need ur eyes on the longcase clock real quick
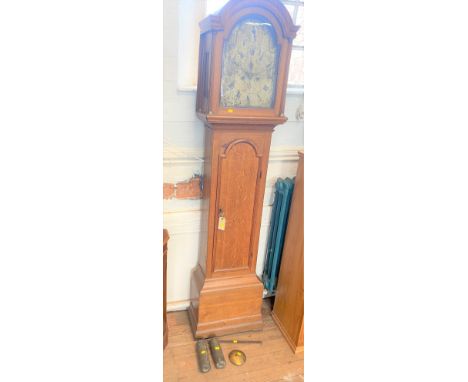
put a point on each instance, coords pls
(244, 57)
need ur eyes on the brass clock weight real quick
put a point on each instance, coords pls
(236, 357)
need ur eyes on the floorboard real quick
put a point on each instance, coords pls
(271, 361)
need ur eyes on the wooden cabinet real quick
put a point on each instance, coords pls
(165, 240)
(244, 57)
(288, 310)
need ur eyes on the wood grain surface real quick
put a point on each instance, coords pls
(288, 311)
(238, 181)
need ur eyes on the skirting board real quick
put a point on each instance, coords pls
(176, 306)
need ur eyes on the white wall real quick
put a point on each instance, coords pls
(183, 152)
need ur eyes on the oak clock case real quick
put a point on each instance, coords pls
(244, 57)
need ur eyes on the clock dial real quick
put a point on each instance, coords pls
(250, 65)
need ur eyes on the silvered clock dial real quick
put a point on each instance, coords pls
(250, 65)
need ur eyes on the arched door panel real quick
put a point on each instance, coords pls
(239, 166)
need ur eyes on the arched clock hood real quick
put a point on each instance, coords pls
(215, 36)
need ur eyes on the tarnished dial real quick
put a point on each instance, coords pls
(250, 65)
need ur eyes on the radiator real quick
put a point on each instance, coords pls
(278, 222)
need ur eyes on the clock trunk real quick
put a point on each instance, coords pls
(226, 293)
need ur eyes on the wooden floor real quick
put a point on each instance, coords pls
(272, 361)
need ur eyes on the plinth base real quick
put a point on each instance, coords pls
(225, 305)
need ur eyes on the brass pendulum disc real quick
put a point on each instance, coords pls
(237, 357)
